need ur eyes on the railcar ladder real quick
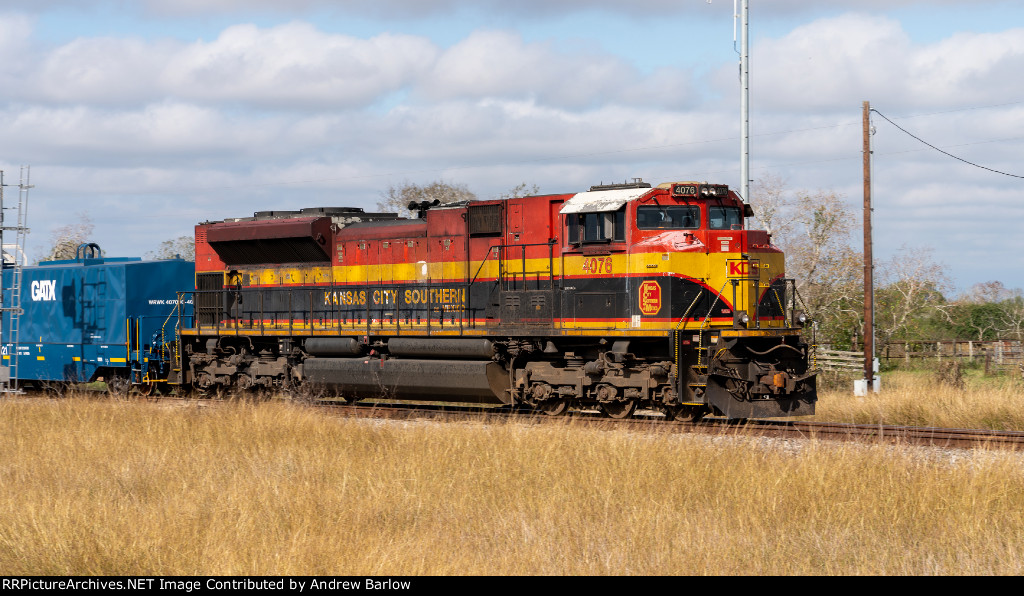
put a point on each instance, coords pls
(14, 260)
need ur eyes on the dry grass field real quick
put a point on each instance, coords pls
(94, 486)
(921, 398)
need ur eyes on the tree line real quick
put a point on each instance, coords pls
(914, 298)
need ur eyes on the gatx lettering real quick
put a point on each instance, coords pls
(44, 290)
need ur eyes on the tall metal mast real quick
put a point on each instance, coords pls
(12, 282)
(745, 102)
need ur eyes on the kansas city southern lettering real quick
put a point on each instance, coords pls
(448, 297)
(347, 298)
(439, 296)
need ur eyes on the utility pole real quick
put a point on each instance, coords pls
(869, 288)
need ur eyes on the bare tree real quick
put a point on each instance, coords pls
(183, 247)
(911, 286)
(989, 291)
(66, 239)
(814, 230)
(396, 199)
(521, 190)
(772, 205)
(1012, 312)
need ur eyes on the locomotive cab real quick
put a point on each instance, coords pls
(691, 269)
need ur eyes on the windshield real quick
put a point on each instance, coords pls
(725, 218)
(672, 217)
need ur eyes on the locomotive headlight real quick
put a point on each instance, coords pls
(800, 318)
(740, 318)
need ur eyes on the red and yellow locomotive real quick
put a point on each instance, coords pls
(618, 297)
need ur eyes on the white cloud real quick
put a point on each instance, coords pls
(968, 68)
(418, 8)
(296, 65)
(103, 71)
(500, 64)
(842, 60)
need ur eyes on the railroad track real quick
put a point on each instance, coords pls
(649, 421)
(653, 421)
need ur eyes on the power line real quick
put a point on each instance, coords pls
(908, 133)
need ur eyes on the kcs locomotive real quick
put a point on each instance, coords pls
(620, 297)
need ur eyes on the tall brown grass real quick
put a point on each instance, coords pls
(100, 487)
(921, 398)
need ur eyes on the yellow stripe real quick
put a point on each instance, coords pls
(40, 358)
(119, 360)
(698, 265)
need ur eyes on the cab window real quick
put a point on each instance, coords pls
(725, 218)
(597, 227)
(671, 217)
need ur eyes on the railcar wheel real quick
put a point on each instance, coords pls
(555, 406)
(118, 386)
(147, 390)
(619, 409)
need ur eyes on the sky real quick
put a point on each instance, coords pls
(149, 116)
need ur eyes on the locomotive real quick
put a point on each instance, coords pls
(619, 297)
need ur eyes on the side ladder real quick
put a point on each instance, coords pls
(13, 261)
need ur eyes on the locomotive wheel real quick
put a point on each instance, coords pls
(554, 407)
(619, 409)
(684, 413)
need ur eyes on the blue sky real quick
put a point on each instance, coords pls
(149, 116)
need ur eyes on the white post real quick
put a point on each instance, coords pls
(745, 103)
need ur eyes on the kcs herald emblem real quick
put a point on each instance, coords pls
(650, 297)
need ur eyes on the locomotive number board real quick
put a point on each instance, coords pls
(700, 190)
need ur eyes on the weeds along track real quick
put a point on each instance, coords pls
(655, 422)
(642, 421)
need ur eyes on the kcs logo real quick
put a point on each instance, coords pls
(44, 290)
(742, 268)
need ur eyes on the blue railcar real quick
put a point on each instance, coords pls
(93, 318)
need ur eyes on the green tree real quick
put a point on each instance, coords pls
(986, 311)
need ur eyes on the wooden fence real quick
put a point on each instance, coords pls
(826, 359)
(1005, 355)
